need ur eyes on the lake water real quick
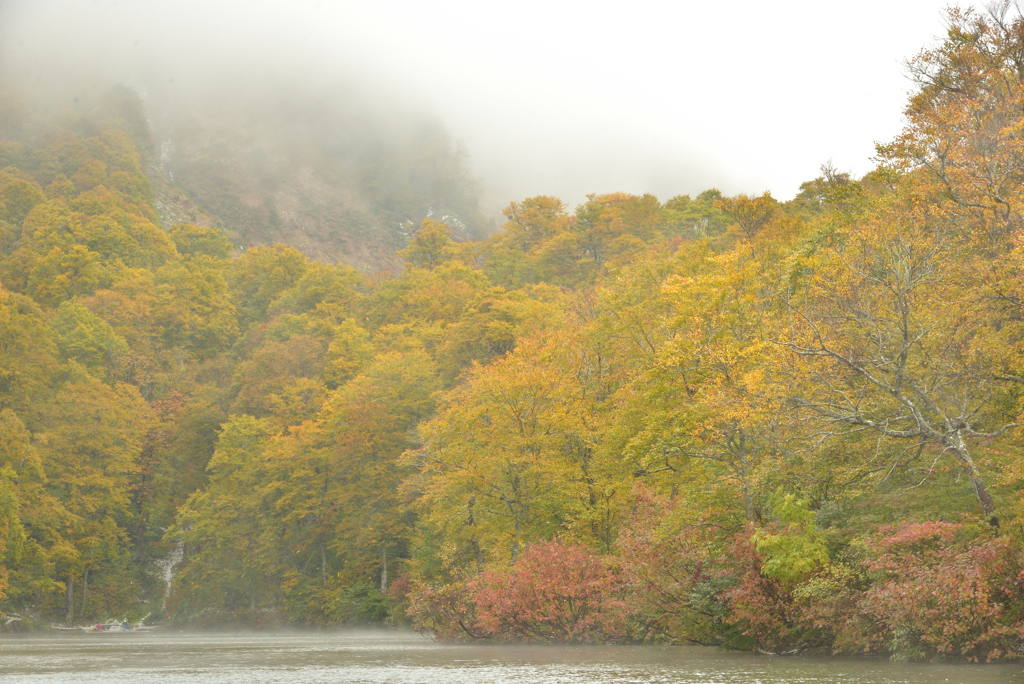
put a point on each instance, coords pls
(405, 658)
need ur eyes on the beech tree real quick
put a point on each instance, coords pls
(891, 324)
(496, 470)
(222, 529)
(750, 213)
(721, 368)
(431, 245)
(964, 128)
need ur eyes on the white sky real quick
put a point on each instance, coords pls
(553, 97)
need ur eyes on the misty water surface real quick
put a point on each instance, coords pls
(407, 658)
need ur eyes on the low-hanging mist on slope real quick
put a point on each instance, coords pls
(322, 158)
(341, 179)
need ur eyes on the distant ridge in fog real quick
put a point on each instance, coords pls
(323, 171)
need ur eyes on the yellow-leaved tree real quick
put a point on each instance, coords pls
(509, 458)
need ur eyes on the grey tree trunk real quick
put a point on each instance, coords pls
(515, 540)
(478, 554)
(474, 542)
(85, 590)
(963, 456)
(748, 500)
(323, 564)
(988, 507)
(71, 600)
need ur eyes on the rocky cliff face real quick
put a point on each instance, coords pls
(336, 179)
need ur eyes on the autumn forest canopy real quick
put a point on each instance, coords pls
(777, 425)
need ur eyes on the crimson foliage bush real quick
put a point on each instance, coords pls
(913, 591)
(557, 592)
(936, 589)
(675, 576)
(446, 612)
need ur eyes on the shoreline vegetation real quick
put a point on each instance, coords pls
(784, 427)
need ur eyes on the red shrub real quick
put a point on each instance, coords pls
(557, 592)
(675, 578)
(447, 612)
(934, 594)
(399, 596)
(920, 590)
(762, 607)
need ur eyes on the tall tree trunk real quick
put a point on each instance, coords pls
(988, 507)
(478, 554)
(748, 500)
(383, 569)
(515, 540)
(85, 581)
(474, 542)
(963, 456)
(71, 600)
(323, 565)
(85, 590)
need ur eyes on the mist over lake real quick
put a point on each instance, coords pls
(284, 658)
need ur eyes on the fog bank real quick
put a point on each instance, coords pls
(556, 98)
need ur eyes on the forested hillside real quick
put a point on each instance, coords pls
(783, 426)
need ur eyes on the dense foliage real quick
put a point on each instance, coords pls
(719, 420)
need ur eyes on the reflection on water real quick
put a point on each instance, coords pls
(407, 659)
